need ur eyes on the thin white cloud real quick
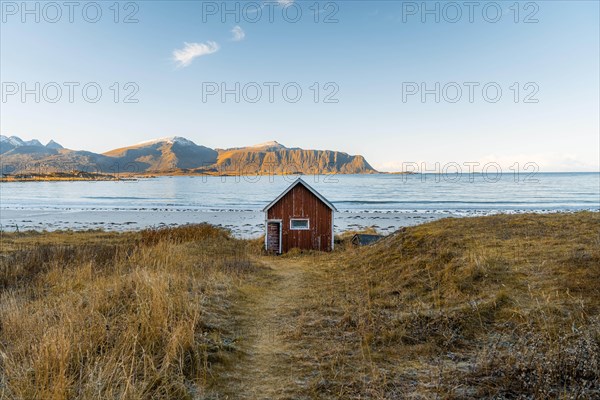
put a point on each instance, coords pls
(254, 10)
(285, 3)
(184, 57)
(238, 33)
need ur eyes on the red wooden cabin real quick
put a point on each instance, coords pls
(299, 218)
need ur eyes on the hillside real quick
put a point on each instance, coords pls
(176, 156)
(96, 315)
(275, 158)
(19, 156)
(489, 307)
(164, 155)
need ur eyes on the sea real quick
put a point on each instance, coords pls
(385, 202)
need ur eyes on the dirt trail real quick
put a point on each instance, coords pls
(266, 369)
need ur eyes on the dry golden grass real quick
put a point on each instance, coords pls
(104, 316)
(493, 307)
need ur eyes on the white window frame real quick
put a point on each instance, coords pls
(300, 229)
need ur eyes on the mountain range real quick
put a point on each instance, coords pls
(176, 156)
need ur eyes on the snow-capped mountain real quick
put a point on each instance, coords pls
(165, 154)
(177, 155)
(168, 139)
(271, 144)
(53, 145)
(8, 143)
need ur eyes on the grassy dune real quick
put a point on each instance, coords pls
(501, 306)
(97, 315)
(493, 307)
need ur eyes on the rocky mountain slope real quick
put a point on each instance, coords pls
(176, 156)
(275, 158)
(163, 155)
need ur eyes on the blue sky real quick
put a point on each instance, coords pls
(369, 57)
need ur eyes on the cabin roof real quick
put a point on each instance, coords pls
(300, 181)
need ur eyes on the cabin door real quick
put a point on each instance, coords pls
(274, 237)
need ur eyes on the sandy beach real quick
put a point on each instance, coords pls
(243, 224)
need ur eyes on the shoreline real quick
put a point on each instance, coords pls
(243, 224)
(63, 177)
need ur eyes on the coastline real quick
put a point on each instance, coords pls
(63, 177)
(243, 224)
(384, 202)
(83, 177)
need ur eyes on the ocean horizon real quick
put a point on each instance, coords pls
(385, 202)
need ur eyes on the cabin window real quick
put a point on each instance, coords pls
(299, 224)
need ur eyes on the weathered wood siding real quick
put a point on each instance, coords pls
(301, 203)
(273, 237)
